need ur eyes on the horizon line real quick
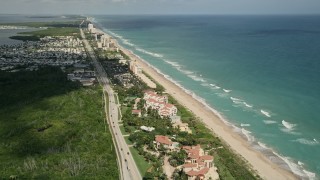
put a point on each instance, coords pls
(169, 14)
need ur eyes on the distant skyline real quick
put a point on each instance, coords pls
(160, 7)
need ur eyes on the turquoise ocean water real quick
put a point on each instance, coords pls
(261, 73)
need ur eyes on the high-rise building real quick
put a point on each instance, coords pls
(90, 27)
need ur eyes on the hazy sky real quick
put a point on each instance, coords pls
(160, 6)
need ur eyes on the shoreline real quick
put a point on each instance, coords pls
(256, 160)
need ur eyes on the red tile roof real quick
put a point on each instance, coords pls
(136, 111)
(206, 157)
(193, 153)
(198, 173)
(163, 140)
(189, 165)
(191, 147)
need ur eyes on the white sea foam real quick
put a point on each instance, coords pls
(241, 102)
(222, 95)
(244, 125)
(288, 125)
(181, 69)
(248, 135)
(149, 53)
(309, 174)
(172, 63)
(213, 86)
(288, 128)
(287, 163)
(263, 145)
(185, 71)
(247, 105)
(205, 84)
(266, 113)
(127, 42)
(297, 169)
(269, 121)
(289, 131)
(235, 99)
(115, 35)
(196, 78)
(226, 90)
(312, 142)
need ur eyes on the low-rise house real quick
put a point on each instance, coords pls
(175, 119)
(183, 127)
(166, 143)
(177, 123)
(136, 112)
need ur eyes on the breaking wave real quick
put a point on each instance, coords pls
(149, 53)
(226, 90)
(196, 78)
(214, 86)
(288, 125)
(266, 113)
(312, 142)
(269, 121)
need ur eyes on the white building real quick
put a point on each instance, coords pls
(145, 128)
(99, 44)
(159, 103)
(90, 27)
(135, 68)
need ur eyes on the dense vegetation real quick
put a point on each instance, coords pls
(51, 128)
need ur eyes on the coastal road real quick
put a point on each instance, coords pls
(127, 165)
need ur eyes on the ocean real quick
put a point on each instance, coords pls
(261, 73)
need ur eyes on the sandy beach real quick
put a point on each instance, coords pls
(265, 168)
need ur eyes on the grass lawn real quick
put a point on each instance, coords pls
(143, 165)
(123, 131)
(126, 138)
(116, 99)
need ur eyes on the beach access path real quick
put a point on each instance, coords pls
(127, 165)
(265, 168)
